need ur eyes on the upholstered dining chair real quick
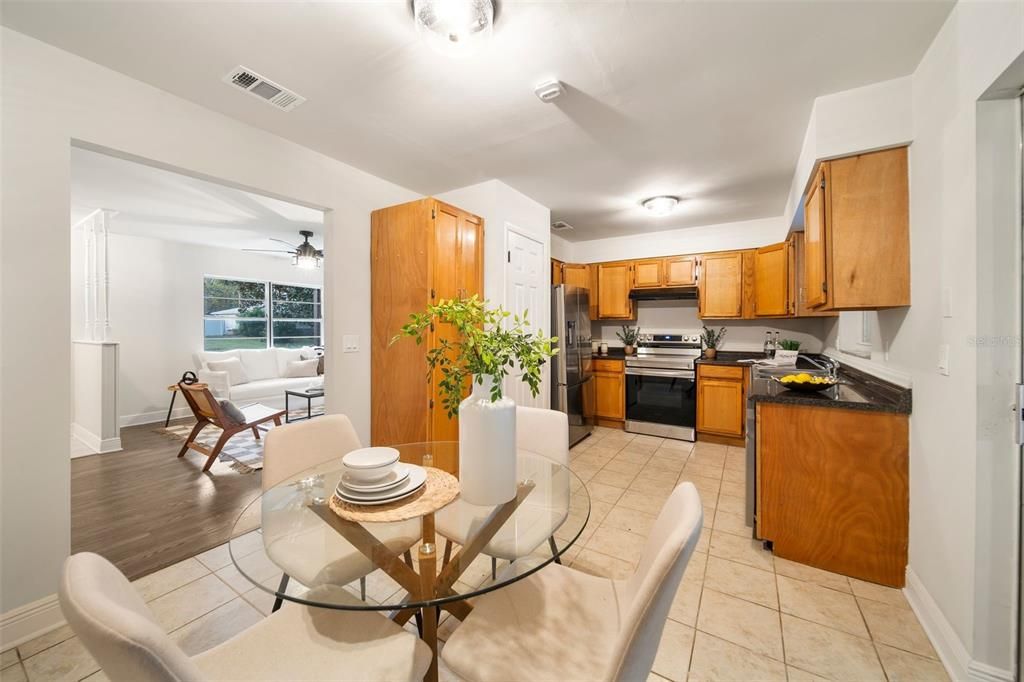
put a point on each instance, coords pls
(291, 449)
(559, 623)
(295, 643)
(543, 432)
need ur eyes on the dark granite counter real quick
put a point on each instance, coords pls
(731, 357)
(856, 391)
(613, 354)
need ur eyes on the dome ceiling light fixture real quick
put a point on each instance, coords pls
(454, 27)
(661, 205)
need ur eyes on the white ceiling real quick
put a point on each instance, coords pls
(706, 99)
(152, 202)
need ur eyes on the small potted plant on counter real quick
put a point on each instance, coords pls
(785, 354)
(629, 336)
(712, 340)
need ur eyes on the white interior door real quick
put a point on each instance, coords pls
(525, 291)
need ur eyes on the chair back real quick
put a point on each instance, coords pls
(652, 587)
(292, 448)
(545, 432)
(115, 625)
(203, 404)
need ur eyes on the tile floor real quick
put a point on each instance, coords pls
(740, 613)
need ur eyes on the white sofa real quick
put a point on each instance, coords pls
(265, 368)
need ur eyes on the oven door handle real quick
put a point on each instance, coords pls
(668, 373)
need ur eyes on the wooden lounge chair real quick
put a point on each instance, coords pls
(207, 410)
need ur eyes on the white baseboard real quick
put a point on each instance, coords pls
(27, 622)
(154, 417)
(99, 446)
(952, 652)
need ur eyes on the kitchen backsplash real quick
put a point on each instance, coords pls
(740, 335)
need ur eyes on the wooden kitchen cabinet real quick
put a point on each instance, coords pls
(857, 233)
(594, 292)
(832, 489)
(680, 271)
(614, 281)
(649, 273)
(722, 401)
(576, 275)
(420, 252)
(721, 285)
(797, 280)
(772, 292)
(557, 272)
(610, 392)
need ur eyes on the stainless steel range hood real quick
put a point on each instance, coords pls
(666, 294)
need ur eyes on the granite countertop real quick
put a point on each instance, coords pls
(856, 391)
(731, 357)
(613, 354)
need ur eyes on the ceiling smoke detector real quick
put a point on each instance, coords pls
(561, 226)
(267, 90)
(549, 91)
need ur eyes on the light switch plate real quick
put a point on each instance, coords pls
(944, 359)
(947, 301)
(350, 343)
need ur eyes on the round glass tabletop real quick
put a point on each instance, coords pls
(465, 549)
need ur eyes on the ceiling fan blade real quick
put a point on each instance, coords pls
(281, 241)
(268, 251)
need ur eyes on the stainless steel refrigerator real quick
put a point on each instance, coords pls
(572, 379)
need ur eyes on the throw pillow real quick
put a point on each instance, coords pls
(233, 366)
(260, 364)
(301, 368)
(232, 412)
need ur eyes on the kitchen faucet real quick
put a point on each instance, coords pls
(826, 363)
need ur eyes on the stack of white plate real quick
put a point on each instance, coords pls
(375, 476)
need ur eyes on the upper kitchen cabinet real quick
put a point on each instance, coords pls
(721, 285)
(557, 272)
(773, 267)
(681, 271)
(576, 275)
(614, 280)
(649, 273)
(857, 233)
(797, 277)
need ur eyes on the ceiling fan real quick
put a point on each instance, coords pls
(305, 255)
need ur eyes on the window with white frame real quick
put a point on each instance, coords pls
(251, 314)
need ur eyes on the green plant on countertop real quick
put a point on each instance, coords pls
(789, 344)
(486, 342)
(629, 335)
(712, 338)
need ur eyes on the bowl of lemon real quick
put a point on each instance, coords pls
(805, 382)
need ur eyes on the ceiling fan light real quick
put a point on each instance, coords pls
(454, 27)
(306, 262)
(661, 205)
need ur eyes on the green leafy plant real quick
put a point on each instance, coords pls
(628, 335)
(712, 338)
(789, 344)
(486, 342)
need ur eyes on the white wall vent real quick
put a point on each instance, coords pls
(561, 226)
(266, 90)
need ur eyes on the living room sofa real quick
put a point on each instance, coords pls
(265, 369)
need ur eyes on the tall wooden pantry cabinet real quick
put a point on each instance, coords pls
(420, 252)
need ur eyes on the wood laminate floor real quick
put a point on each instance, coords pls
(144, 509)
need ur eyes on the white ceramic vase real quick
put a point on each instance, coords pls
(487, 446)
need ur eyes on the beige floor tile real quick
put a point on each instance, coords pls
(694, 468)
(8, 658)
(896, 627)
(615, 479)
(735, 524)
(620, 544)
(640, 448)
(902, 666)
(246, 544)
(66, 661)
(717, 659)
(741, 622)
(657, 486)
(704, 446)
(585, 472)
(744, 550)
(622, 467)
(598, 511)
(670, 462)
(263, 601)
(709, 519)
(216, 558)
(673, 658)
(879, 593)
(830, 653)
(256, 567)
(644, 502)
(735, 476)
(731, 504)
(810, 574)
(603, 565)
(655, 677)
(634, 521)
(674, 445)
(187, 603)
(821, 605)
(740, 580)
(706, 458)
(447, 626)
(734, 489)
(704, 541)
(216, 627)
(798, 675)
(686, 602)
(630, 457)
(604, 493)
(168, 579)
(591, 459)
(13, 673)
(42, 642)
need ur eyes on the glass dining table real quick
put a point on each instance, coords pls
(389, 561)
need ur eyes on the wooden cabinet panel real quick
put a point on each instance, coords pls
(799, 290)
(648, 273)
(576, 275)
(734, 372)
(614, 282)
(720, 406)
(556, 272)
(721, 285)
(681, 271)
(833, 490)
(815, 287)
(610, 399)
(608, 365)
(595, 312)
(771, 280)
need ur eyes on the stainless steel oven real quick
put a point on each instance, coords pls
(661, 386)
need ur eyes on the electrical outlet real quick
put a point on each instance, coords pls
(350, 343)
(944, 359)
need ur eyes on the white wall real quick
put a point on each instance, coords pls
(156, 309)
(562, 249)
(49, 98)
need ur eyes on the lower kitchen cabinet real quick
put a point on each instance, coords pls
(721, 402)
(610, 392)
(832, 489)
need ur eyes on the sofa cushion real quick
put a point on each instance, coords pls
(301, 368)
(203, 357)
(284, 356)
(233, 366)
(268, 388)
(260, 364)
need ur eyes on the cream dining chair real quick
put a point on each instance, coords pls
(559, 623)
(539, 431)
(318, 555)
(295, 643)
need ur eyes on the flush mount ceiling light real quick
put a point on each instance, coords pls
(454, 27)
(662, 205)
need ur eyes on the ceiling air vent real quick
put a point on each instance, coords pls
(268, 91)
(561, 226)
